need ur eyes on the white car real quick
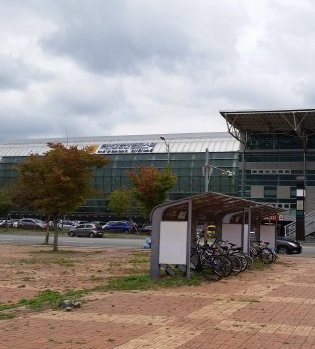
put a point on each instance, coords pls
(66, 225)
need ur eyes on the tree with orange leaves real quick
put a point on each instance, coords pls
(57, 182)
(151, 186)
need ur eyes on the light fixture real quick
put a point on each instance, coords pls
(168, 149)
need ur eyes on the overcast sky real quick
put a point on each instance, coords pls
(118, 67)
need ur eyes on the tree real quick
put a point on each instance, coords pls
(121, 201)
(57, 182)
(151, 185)
(5, 202)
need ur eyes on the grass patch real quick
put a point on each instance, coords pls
(140, 258)
(65, 252)
(45, 299)
(144, 282)
(7, 316)
(60, 261)
(259, 265)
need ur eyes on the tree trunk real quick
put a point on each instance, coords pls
(55, 240)
(47, 232)
(55, 234)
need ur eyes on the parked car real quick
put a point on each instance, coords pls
(11, 222)
(108, 224)
(122, 226)
(80, 222)
(146, 228)
(288, 246)
(88, 230)
(99, 224)
(30, 223)
(66, 225)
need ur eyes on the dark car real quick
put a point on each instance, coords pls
(288, 246)
(122, 226)
(88, 230)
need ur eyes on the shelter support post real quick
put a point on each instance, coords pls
(189, 218)
(155, 243)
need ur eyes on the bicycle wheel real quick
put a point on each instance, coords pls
(236, 264)
(250, 261)
(242, 259)
(274, 255)
(222, 265)
(195, 264)
(253, 252)
(208, 270)
(266, 256)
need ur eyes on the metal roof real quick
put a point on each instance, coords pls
(178, 143)
(211, 206)
(271, 121)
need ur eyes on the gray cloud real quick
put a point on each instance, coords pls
(15, 74)
(125, 37)
(93, 67)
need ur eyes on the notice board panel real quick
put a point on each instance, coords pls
(173, 242)
(232, 233)
(268, 234)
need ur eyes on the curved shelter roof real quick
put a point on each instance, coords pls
(211, 206)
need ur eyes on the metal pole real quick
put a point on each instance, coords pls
(168, 150)
(207, 171)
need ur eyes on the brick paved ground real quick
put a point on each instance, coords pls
(273, 308)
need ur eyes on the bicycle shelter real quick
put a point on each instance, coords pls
(174, 226)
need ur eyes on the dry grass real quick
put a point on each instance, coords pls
(38, 268)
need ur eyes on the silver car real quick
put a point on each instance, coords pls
(31, 223)
(87, 229)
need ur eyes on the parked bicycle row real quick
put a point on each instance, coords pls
(223, 258)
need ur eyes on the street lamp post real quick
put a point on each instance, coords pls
(168, 149)
(207, 171)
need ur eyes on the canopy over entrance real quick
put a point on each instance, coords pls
(298, 121)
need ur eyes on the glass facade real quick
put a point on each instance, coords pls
(271, 164)
(187, 166)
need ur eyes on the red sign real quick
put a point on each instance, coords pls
(277, 217)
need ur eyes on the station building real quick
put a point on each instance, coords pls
(258, 158)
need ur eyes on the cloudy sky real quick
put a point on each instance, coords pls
(117, 67)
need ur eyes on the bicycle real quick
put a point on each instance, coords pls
(262, 252)
(202, 262)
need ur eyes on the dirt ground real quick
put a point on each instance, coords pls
(269, 308)
(26, 270)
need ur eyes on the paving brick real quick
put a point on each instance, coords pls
(273, 308)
